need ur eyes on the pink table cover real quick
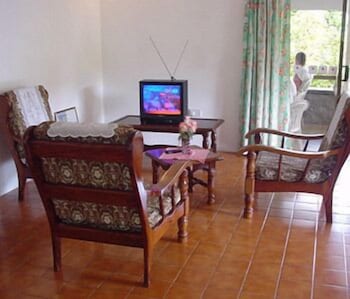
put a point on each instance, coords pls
(197, 154)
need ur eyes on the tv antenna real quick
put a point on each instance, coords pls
(172, 75)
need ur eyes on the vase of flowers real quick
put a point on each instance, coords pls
(186, 130)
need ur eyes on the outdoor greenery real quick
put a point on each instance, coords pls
(317, 34)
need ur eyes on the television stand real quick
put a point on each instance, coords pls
(205, 127)
(165, 121)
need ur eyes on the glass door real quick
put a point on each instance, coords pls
(318, 31)
(344, 57)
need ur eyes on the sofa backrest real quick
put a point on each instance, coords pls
(337, 136)
(88, 174)
(338, 128)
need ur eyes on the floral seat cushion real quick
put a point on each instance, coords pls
(111, 217)
(292, 169)
(267, 167)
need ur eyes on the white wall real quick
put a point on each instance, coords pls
(211, 63)
(56, 43)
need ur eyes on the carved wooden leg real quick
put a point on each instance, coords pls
(190, 179)
(213, 141)
(147, 257)
(183, 221)
(205, 143)
(211, 177)
(56, 248)
(21, 184)
(328, 204)
(250, 185)
(155, 172)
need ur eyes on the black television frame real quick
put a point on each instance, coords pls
(148, 118)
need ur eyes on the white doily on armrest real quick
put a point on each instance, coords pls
(69, 129)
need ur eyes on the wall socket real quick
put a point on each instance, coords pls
(194, 112)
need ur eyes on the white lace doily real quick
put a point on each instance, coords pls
(69, 129)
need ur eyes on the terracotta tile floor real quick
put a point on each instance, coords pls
(286, 251)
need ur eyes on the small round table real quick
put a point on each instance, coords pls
(208, 166)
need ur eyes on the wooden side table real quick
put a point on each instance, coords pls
(205, 127)
(208, 166)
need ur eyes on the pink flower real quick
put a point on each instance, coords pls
(187, 128)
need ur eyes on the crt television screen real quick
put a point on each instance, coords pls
(162, 99)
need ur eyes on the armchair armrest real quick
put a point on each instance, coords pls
(287, 152)
(169, 177)
(17, 139)
(283, 134)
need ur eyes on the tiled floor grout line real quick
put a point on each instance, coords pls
(186, 261)
(179, 273)
(224, 249)
(216, 213)
(189, 256)
(220, 258)
(346, 266)
(222, 254)
(315, 253)
(99, 286)
(218, 229)
(285, 248)
(129, 293)
(255, 247)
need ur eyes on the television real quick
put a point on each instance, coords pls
(163, 101)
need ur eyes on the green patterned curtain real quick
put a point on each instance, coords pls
(266, 52)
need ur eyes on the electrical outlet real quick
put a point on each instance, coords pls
(194, 112)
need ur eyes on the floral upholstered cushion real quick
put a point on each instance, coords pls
(89, 214)
(292, 168)
(153, 207)
(108, 175)
(111, 217)
(28, 106)
(267, 167)
(116, 176)
(320, 170)
(76, 172)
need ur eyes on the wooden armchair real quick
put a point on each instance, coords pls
(275, 169)
(19, 109)
(90, 181)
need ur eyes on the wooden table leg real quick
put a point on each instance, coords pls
(205, 142)
(190, 179)
(211, 183)
(155, 172)
(213, 141)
